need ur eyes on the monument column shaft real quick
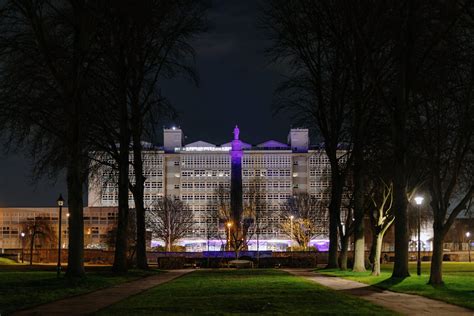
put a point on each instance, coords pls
(236, 202)
(236, 189)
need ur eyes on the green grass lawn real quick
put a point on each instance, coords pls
(458, 278)
(221, 292)
(6, 261)
(25, 287)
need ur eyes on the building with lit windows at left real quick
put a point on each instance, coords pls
(16, 224)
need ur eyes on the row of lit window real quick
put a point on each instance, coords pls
(265, 173)
(267, 184)
(205, 173)
(268, 196)
(266, 160)
(200, 160)
(316, 184)
(204, 185)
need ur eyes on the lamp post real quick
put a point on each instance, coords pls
(419, 201)
(229, 225)
(291, 232)
(60, 202)
(468, 234)
(22, 246)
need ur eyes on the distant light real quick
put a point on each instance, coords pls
(177, 149)
(22, 234)
(60, 200)
(291, 217)
(173, 128)
(419, 200)
(229, 224)
(468, 234)
(68, 214)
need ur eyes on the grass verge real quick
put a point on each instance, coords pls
(458, 278)
(6, 261)
(21, 289)
(243, 292)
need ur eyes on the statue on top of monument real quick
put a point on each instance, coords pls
(236, 132)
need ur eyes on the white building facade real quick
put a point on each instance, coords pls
(193, 173)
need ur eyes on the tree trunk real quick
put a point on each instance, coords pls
(121, 240)
(436, 272)
(334, 218)
(378, 251)
(31, 248)
(75, 170)
(138, 191)
(359, 229)
(400, 267)
(343, 253)
(373, 247)
(399, 130)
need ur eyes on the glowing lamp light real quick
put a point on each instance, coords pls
(173, 128)
(468, 234)
(229, 224)
(60, 200)
(419, 200)
(291, 217)
(22, 234)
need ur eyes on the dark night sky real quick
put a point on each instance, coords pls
(236, 87)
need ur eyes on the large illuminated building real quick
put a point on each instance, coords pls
(193, 173)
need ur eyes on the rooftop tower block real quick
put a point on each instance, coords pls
(298, 139)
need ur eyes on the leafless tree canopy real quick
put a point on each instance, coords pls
(169, 219)
(302, 216)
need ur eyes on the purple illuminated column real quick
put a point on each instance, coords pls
(236, 181)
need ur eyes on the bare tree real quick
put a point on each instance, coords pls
(111, 238)
(381, 218)
(142, 45)
(317, 91)
(256, 207)
(346, 225)
(444, 126)
(40, 231)
(302, 216)
(47, 57)
(170, 219)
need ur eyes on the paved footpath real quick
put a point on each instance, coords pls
(406, 304)
(89, 303)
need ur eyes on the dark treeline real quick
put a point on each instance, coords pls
(392, 82)
(79, 77)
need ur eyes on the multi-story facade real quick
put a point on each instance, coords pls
(14, 221)
(193, 172)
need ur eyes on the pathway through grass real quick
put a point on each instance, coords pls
(242, 292)
(21, 289)
(458, 278)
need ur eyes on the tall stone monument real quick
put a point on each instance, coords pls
(236, 207)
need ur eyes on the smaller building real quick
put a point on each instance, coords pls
(98, 221)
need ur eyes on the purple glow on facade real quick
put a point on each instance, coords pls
(320, 245)
(273, 144)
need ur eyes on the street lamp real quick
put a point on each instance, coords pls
(291, 232)
(60, 203)
(419, 201)
(22, 246)
(229, 225)
(468, 234)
